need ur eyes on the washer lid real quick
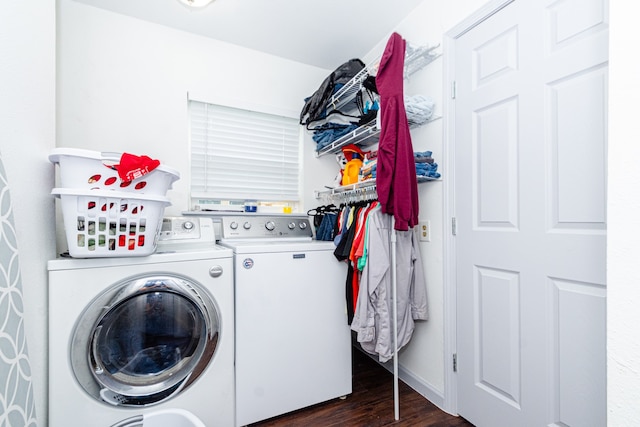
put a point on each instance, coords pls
(273, 246)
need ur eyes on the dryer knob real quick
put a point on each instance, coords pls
(215, 271)
(303, 225)
(188, 225)
(270, 225)
(292, 225)
(247, 225)
(233, 225)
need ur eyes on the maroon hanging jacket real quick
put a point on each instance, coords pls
(396, 171)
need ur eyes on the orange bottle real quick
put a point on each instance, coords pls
(352, 170)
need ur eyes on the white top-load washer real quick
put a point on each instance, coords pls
(133, 337)
(293, 342)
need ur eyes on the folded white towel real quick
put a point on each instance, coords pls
(419, 108)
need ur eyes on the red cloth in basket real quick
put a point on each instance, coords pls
(132, 166)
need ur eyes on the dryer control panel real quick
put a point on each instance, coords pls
(266, 227)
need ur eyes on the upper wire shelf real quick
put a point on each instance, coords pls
(350, 89)
(415, 59)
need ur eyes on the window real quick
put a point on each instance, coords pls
(239, 155)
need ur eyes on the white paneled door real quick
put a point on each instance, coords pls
(530, 206)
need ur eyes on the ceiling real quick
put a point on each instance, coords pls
(320, 33)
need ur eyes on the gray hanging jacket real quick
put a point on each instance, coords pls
(373, 315)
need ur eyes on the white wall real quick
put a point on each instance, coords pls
(123, 84)
(27, 131)
(623, 243)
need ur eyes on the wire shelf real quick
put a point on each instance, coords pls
(416, 58)
(360, 191)
(366, 135)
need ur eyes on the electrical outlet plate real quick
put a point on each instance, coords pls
(424, 231)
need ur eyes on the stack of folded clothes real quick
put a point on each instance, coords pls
(425, 166)
(327, 133)
(369, 164)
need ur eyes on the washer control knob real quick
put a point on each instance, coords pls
(233, 225)
(270, 225)
(188, 225)
(247, 225)
(303, 225)
(292, 225)
(215, 271)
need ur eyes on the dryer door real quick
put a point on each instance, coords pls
(145, 340)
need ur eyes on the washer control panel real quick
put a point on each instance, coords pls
(258, 227)
(186, 229)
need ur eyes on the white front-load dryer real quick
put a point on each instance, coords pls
(131, 336)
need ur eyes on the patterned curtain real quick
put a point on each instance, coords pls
(17, 407)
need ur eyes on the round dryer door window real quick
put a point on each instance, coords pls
(144, 340)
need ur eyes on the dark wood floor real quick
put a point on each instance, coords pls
(370, 404)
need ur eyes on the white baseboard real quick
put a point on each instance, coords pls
(424, 389)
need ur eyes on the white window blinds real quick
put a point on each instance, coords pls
(243, 155)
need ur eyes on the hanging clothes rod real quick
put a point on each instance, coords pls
(360, 192)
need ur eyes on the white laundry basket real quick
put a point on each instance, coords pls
(95, 170)
(106, 223)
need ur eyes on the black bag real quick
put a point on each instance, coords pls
(315, 106)
(366, 114)
(370, 83)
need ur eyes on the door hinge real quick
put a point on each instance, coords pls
(454, 228)
(453, 89)
(455, 362)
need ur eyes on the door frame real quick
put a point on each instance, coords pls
(449, 209)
